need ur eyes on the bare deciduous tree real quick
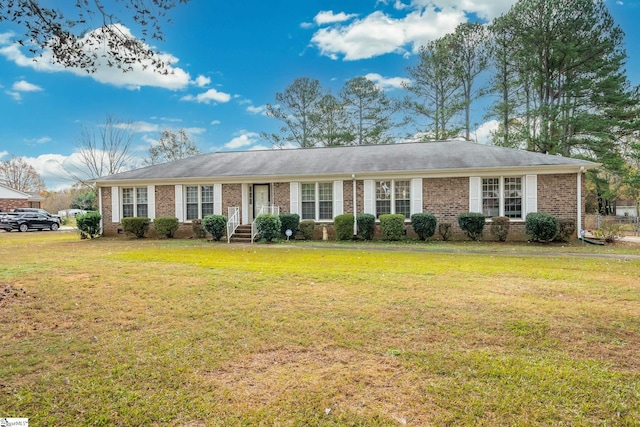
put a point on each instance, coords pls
(16, 173)
(171, 146)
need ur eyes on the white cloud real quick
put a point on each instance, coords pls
(244, 140)
(3, 154)
(215, 122)
(207, 97)
(25, 86)
(387, 82)
(379, 33)
(142, 74)
(483, 132)
(328, 17)
(260, 109)
(42, 140)
(202, 81)
(17, 96)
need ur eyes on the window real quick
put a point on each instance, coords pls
(393, 197)
(317, 201)
(502, 196)
(199, 201)
(134, 202)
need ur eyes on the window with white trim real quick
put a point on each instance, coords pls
(393, 197)
(316, 201)
(502, 196)
(135, 202)
(199, 201)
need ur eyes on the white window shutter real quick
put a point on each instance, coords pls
(217, 199)
(475, 194)
(115, 204)
(369, 196)
(151, 202)
(178, 200)
(294, 196)
(338, 198)
(531, 191)
(416, 195)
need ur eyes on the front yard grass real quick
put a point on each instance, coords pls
(194, 333)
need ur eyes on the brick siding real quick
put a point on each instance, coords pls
(7, 204)
(282, 196)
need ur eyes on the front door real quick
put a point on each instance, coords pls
(260, 198)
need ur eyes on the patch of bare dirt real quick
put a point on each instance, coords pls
(10, 293)
(343, 379)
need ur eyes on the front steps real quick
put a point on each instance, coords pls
(242, 234)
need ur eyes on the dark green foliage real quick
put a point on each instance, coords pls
(541, 227)
(500, 227)
(306, 228)
(566, 229)
(392, 226)
(472, 223)
(85, 201)
(136, 226)
(366, 225)
(289, 221)
(344, 226)
(216, 225)
(424, 224)
(166, 225)
(268, 226)
(445, 231)
(198, 231)
(89, 224)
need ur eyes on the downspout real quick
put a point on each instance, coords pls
(579, 219)
(100, 210)
(355, 206)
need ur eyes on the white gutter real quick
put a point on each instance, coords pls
(579, 219)
(355, 206)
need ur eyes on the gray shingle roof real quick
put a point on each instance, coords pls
(409, 157)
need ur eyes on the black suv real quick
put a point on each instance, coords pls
(24, 221)
(39, 211)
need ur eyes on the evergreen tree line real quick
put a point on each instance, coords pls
(551, 71)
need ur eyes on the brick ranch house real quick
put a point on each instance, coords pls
(443, 178)
(12, 199)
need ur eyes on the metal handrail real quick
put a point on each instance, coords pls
(233, 222)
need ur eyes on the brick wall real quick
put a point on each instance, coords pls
(347, 195)
(7, 204)
(281, 196)
(231, 197)
(165, 200)
(557, 195)
(446, 198)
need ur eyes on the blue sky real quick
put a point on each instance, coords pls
(229, 59)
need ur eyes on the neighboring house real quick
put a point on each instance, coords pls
(443, 178)
(12, 199)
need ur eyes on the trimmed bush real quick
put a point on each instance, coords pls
(445, 231)
(216, 225)
(472, 223)
(136, 226)
(541, 227)
(566, 229)
(366, 225)
(344, 226)
(500, 227)
(166, 225)
(392, 226)
(289, 221)
(198, 231)
(268, 226)
(306, 228)
(424, 224)
(88, 224)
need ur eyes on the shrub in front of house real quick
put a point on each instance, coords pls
(289, 221)
(472, 223)
(268, 226)
(306, 228)
(136, 226)
(88, 224)
(198, 231)
(445, 231)
(344, 226)
(500, 227)
(366, 225)
(541, 227)
(216, 225)
(424, 224)
(566, 229)
(166, 225)
(392, 226)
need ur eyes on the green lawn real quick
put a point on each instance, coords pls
(194, 333)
